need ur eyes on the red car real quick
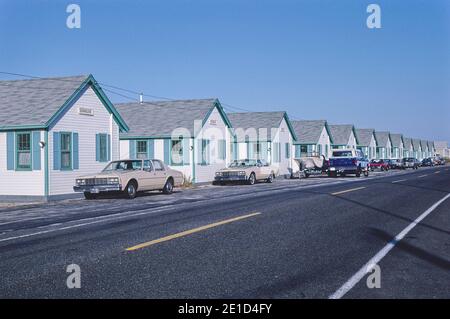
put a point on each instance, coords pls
(378, 164)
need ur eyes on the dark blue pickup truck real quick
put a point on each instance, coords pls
(348, 161)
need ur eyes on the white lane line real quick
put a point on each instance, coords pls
(399, 181)
(437, 172)
(423, 176)
(382, 253)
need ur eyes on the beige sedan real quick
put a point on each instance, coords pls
(248, 171)
(130, 177)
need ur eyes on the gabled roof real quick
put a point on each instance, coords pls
(260, 120)
(382, 138)
(396, 140)
(308, 132)
(407, 142)
(365, 136)
(416, 144)
(40, 103)
(341, 133)
(161, 118)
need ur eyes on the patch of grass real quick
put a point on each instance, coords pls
(187, 182)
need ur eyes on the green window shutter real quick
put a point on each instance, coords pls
(10, 151)
(36, 138)
(167, 151)
(75, 153)
(235, 151)
(108, 148)
(150, 149)
(287, 150)
(263, 152)
(186, 151)
(250, 153)
(132, 146)
(56, 151)
(222, 149)
(97, 147)
(297, 151)
(206, 152)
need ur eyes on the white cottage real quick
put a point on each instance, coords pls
(384, 147)
(424, 146)
(267, 136)
(313, 137)
(408, 149)
(417, 148)
(192, 136)
(53, 130)
(397, 146)
(367, 142)
(343, 136)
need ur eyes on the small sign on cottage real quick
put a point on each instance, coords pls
(213, 122)
(85, 111)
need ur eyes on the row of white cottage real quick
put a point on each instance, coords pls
(54, 130)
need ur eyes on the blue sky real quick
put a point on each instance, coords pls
(315, 59)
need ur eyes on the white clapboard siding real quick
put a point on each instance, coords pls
(61, 182)
(20, 183)
(283, 136)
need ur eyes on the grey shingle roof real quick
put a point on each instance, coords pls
(416, 144)
(308, 132)
(382, 138)
(364, 136)
(407, 142)
(160, 118)
(396, 140)
(341, 133)
(256, 120)
(35, 101)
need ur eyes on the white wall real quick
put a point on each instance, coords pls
(324, 140)
(20, 183)
(62, 182)
(352, 141)
(283, 136)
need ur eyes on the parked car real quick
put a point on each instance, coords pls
(130, 177)
(396, 164)
(427, 162)
(348, 161)
(378, 164)
(247, 171)
(439, 160)
(410, 162)
(310, 165)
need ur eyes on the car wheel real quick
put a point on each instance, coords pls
(89, 196)
(131, 190)
(270, 178)
(251, 179)
(168, 188)
(366, 172)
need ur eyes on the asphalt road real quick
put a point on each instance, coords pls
(290, 239)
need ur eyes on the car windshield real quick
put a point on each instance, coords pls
(243, 163)
(342, 154)
(124, 166)
(376, 161)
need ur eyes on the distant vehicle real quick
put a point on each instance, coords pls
(130, 177)
(348, 161)
(310, 165)
(427, 162)
(396, 164)
(246, 170)
(378, 164)
(439, 160)
(410, 162)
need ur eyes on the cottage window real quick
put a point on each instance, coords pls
(141, 149)
(66, 151)
(23, 151)
(177, 152)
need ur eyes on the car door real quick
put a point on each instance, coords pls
(147, 178)
(160, 174)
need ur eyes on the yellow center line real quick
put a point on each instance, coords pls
(348, 190)
(423, 176)
(190, 231)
